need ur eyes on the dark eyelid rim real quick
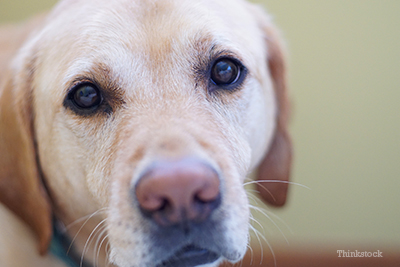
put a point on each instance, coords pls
(238, 64)
(80, 81)
(68, 102)
(236, 85)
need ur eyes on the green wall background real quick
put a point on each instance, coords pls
(345, 84)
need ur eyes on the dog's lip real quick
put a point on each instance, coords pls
(190, 256)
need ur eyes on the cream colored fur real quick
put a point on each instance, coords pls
(147, 49)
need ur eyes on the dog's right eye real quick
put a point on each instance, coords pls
(225, 72)
(85, 96)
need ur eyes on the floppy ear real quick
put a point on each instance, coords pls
(21, 189)
(274, 170)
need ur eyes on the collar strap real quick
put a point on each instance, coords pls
(61, 246)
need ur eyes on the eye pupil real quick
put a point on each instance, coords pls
(224, 72)
(87, 96)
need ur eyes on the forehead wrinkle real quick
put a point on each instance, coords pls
(165, 29)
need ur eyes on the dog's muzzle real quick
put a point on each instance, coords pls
(179, 198)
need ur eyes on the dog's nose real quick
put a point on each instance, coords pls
(172, 192)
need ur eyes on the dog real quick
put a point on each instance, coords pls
(128, 128)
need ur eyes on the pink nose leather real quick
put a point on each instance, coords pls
(174, 191)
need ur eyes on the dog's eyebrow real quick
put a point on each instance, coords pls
(206, 48)
(206, 51)
(99, 74)
(95, 71)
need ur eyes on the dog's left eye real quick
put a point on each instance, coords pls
(85, 96)
(225, 71)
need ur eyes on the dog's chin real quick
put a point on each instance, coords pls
(190, 256)
(186, 256)
(194, 258)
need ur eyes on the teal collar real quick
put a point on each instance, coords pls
(60, 247)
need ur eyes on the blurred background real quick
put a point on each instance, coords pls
(344, 66)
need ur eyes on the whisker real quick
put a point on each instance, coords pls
(266, 189)
(107, 253)
(279, 219)
(252, 255)
(80, 229)
(272, 251)
(257, 222)
(269, 246)
(264, 210)
(248, 178)
(267, 214)
(257, 234)
(268, 217)
(101, 244)
(254, 191)
(276, 181)
(249, 241)
(88, 242)
(98, 244)
(252, 194)
(86, 216)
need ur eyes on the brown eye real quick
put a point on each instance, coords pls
(225, 72)
(86, 96)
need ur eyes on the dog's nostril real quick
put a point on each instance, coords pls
(152, 202)
(171, 192)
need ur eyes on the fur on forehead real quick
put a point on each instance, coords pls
(150, 31)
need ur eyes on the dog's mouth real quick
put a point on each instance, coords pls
(190, 256)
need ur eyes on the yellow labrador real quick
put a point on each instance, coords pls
(127, 129)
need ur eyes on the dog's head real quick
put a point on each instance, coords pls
(148, 115)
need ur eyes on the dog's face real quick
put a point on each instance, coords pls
(150, 114)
